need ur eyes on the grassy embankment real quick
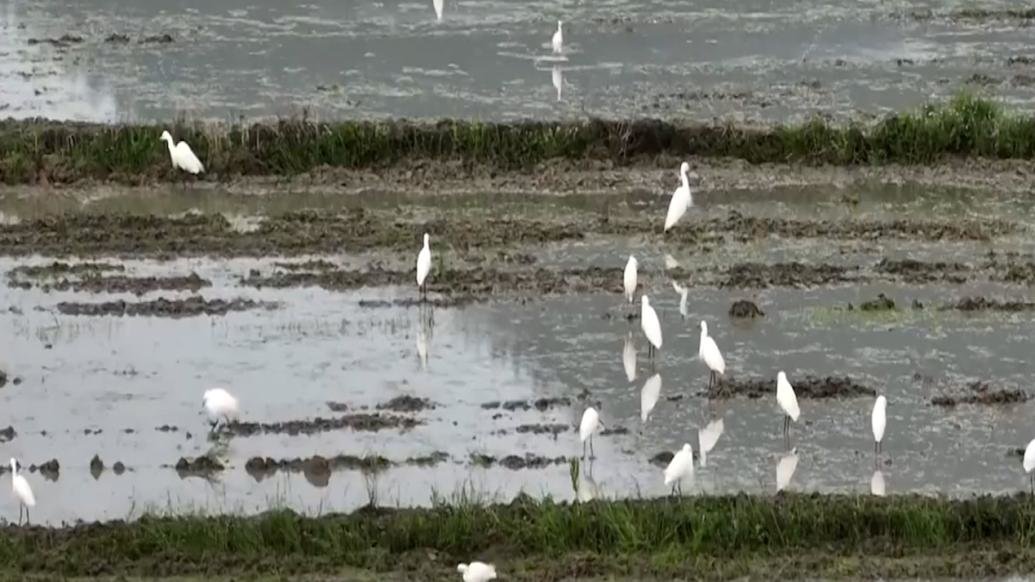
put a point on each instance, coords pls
(707, 537)
(36, 151)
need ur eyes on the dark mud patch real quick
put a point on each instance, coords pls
(881, 303)
(3, 378)
(540, 404)
(50, 469)
(63, 269)
(96, 466)
(984, 304)
(517, 462)
(162, 307)
(121, 284)
(407, 404)
(915, 272)
(63, 41)
(358, 422)
(982, 393)
(798, 275)
(337, 406)
(614, 430)
(810, 387)
(745, 309)
(198, 466)
(262, 467)
(310, 265)
(552, 429)
(7, 434)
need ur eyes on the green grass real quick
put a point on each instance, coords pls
(655, 535)
(32, 151)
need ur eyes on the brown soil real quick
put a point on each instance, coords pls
(361, 422)
(516, 462)
(982, 393)
(800, 275)
(912, 271)
(161, 307)
(122, 284)
(745, 309)
(7, 434)
(881, 303)
(983, 304)
(540, 404)
(198, 466)
(806, 387)
(407, 404)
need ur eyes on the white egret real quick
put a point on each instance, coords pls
(681, 199)
(879, 420)
(22, 491)
(629, 280)
(557, 77)
(587, 489)
(785, 468)
(671, 262)
(438, 5)
(683, 292)
(649, 396)
(477, 572)
(629, 357)
(220, 405)
(709, 353)
(877, 486)
(707, 438)
(680, 467)
(650, 324)
(589, 425)
(182, 156)
(1029, 462)
(424, 266)
(787, 400)
(558, 40)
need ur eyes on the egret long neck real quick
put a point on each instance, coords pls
(686, 181)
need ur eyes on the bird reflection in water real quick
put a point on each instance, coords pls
(785, 469)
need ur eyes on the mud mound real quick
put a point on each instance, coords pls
(359, 422)
(407, 404)
(804, 387)
(744, 309)
(317, 464)
(983, 304)
(540, 404)
(881, 303)
(7, 434)
(982, 393)
(310, 265)
(911, 271)
(198, 466)
(135, 285)
(517, 462)
(59, 268)
(162, 307)
(759, 227)
(799, 275)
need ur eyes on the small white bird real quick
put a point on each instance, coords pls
(879, 420)
(708, 437)
(680, 467)
(182, 156)
(670, 262)
(629, 280)
(1029, 462)
(22, 491)
(220, 405)
(683, 292)
(629, 358)
(477, 572)
(785, 469)
(877, 486)
(558, 40)
(681, 199)
(589, 425)
(424, 266)
(650, 324)
(787, 400)
(709, 353)
(438, 5)
(649, 396)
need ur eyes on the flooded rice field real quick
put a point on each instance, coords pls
(118, 311)
(101, 60)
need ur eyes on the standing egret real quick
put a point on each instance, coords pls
(681, 199)
(683, 292)
(438, 5)
(680, 467)
(877, 486)
(651, 326)
(629, 280)
(589, 425)
(709, 353)
(477, 572)
(629, 357)
(671, 262)
(879, 420)
(220, 405)
(182, 156)
(707, 438)
(1029, 462)
(785, 468)
(424, 266)
(22, 491)
(649, 396)
(787, 400)
(558, 40)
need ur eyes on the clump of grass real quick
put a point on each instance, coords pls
(64, 152)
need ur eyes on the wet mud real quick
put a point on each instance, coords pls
(745, 309)
(981, 393)
(120, 284)
(798, 275)
(407, 404)
(198, 466)
(162, 307)
(367, 422)
(985, 304)
(808, 387)
(916, 272)
(262, 467)
(517, 462)
(540, 404)
(881, 303)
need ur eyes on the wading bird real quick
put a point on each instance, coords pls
(220, 405)
(879, 420)
(787, 400)
(629, 280)
(680, 467)
(589, 425)
(22, 491)
(182, 156)
(424, 267)
(651, 326)
(709, 353)
(477, 572)
(681, 199)
(683, 292)
(1029, 463)
(558, 40)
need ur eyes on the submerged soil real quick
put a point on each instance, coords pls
(806, 387)
(161, 307)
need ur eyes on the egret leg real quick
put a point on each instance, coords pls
(583, 449)
(20, 507)
(592, 455)
(880, 447)
(27, 520)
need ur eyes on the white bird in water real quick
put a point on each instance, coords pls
(877, 486)
(220, 405)
(650, 324)
(477, 572)
(557, 77)
(422, 347)
(438, 5)
(709, 353)
(424, 266)
(558, 40)
(879, 420)
(681, 199)
(649, 396)
(1029, 462)
(671, 262)
(787, 400)
(683, 292)
(708, 437)
(22, 491)
(629, 357)
(182, 156)
(589, 425)
(629, 279)
(785, 469)
(679, 468)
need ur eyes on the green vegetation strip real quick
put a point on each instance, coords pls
(37, 151)
(729, 535)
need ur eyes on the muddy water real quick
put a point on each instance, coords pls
(490, 59)
(129, 388)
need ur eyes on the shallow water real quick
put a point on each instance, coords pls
(138, 373)
(490, 60)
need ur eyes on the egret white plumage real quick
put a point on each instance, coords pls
(219, 405)
(709, 353)
(708, 437)
(22, 491)
(670, 262)
(590, 424)
(1029, 462)
(438, 5)
(182, 156)
(681, 198)
(424, 266)
(557, 78)
(629, 280)
(683, 292)
(477, 572)
(650, 324)
(629, 357)
(787, 400)
(557, 42)
(649, 396)
(877, 486)
(879, 420)
(680, 467)
(785, 468)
